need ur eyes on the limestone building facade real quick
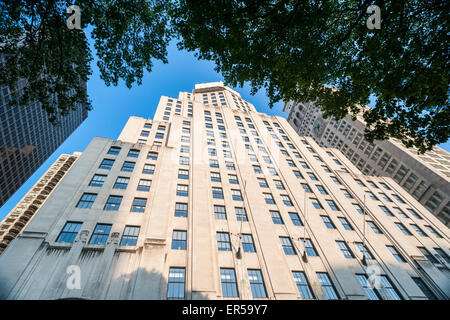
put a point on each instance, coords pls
(426, 177)
(214, 200)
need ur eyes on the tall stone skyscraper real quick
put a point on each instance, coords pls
(19, 217)
(426, 177)
(27, 139)
(214, 200)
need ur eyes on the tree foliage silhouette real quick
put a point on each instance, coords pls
(297, 50)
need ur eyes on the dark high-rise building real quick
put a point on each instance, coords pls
(27, 139)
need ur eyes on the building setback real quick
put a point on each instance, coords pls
(426, 177)
(23, 212)
(213, 200)
(27, 139)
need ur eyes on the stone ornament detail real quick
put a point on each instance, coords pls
(114, 238)
(83, 237)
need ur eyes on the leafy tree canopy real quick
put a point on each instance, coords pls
(295, 49)
(292, 48)
(36, 45)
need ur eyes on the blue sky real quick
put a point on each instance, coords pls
(112, 106)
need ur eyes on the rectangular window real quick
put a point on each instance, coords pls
(303, 285)
(217, 193)
(433, 232)
(403, 228)
(241, 214)
(257, 283)
(114, 151)
(128, 166)
(232, 179)
(247, 243)
(212, 152)
(133, 153)
(175, 284)
(316, 203)
(443, 254)
(229, 283)
(100, 234)
(333, 205)
(183, 174)
(87, 200)
(365, 252)
(327, 286)
(369, 289)
(69, 232)
(286, 200)
(414, 214)
(321, 189)
(148, 168)
(152, 156)
(213, 163)
(297, 174)
(257, 169)
(179, 239)
(398, 198)
(223, 241)
(181, 210)
(328, 223)
(138, 205)
(312, 176)
(358, 208)
(130, 236)
(346, 194)
(262, 183)
(371, 195)
(426, 291)
(396, 254)
(269, 198)
(182, 190)
(287, 246)
(336, 180)
(306, 187)
(272, 171)
(184, 161)
(374, 227)
(215, 177)
(121, 183)
(230, 165)
(279, 185)
(295, 219)
(418, 230)
(97, 180)
(236, 195)
(220, 212)
(428, 255)
(309, 247)
(113, 203)
(389, 289)
(345, 249)
(106, 164)
(386, 211)
(144, 185)
(276, 217)
(345, 223)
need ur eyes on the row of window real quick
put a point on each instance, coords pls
(130, 235)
